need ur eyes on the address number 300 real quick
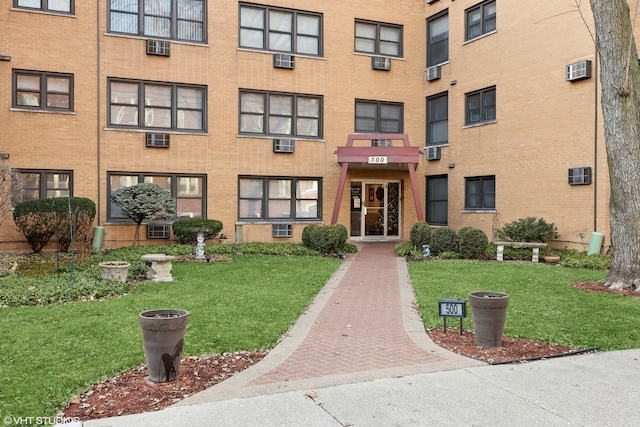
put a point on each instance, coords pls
(378, 160)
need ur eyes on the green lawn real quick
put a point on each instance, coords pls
(51, 353)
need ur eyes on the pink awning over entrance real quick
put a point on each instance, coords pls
(393, 157)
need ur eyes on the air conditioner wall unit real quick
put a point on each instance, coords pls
(579, 71)
(284, 145)
(158, 140)
(434, 73)
(284, 61)
(433, 153)
(580, 176)
(158, 47)
(380, 63)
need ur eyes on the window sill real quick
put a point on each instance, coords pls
(136, 36)
(478, 211)
(40, 110)
(280, 221)
(490, 122)
(45, 12)
(276, 52)
(481, 36)
(173, 132)
(271, 137)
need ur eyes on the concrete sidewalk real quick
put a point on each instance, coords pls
(359, 356)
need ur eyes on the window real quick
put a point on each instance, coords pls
(438, 119)
(45, 184)
(279, 199)
(480, 193)
(280, 114)
(280, 30)
(157, 106)
(56, 6)
(481, 19)
(437, 200)
(40, 90)
(378, 39)
(437, 40)
(188, 190)
(167, 19)
(378, 117)
(481, 106)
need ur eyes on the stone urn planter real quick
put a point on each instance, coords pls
(551, 257)
(163, 338)
(488, 310)
(114, 270)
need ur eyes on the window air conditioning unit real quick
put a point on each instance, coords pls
(380, 63)
(433, 73)
(580, 176)
(281, 230)
(433, 153)
(381, 143)
(284, 61)
(579, 71)
(158, 140)
(283, 145)
(158, 231)
(159, 47)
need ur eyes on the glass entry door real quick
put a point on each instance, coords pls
(375, 208)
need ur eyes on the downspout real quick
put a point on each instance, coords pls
(595, 142)
(99, 201)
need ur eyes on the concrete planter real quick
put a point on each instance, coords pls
(163, 338)
(114, 270)
(488, 310)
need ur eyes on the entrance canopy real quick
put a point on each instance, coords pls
(383, 158)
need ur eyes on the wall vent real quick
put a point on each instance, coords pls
(579, 71)
(433, 153)
(158, 231)
(284, 145)
(281, 230)
(284, 61)
(433, 73)
(380, 63)
(580, 176)
(158, 140)
(159, 47)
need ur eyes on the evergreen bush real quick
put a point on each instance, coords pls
(473, 244)
(443, 239)
(306, 234)
(185, 230)
(420, 234)
(529, 229)
(324, 238)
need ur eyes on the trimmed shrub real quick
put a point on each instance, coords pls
(473, 244)
(306, 234)
(324, 238)
(463, 230)
(529, 229)
(185, 230)
(442, 240)
(83, 212)
(420, 234)
(343, 235)
(37, 221)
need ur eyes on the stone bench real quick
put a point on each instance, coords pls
(158, 267)
(519, 245)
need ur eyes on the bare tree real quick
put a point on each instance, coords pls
(10, 188)
(620, 79)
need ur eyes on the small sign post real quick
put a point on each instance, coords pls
(452, 308)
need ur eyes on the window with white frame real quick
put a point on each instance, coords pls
(280, 114)
(481, 19)
(183, 20)
(279, 198)
(481, 106)
(45, 184)
(378, 117)
(438, 39)
(480, 193)
(54, 6)
(157, 106)
(378, 39)
(438, 119)
(189, 191)
(42, 90)
(280, 30)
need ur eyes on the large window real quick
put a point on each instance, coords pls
(280, 30)
(378, 39)
(378, 117)
(481, 106)
(57, 6)
(39, 90)
(280, 114)
(188, 190)
(437, 40)
(438, 119)
(157, 106)
(437, 200)
(45, 184)
(279, 198)
(168, 19)
(480, 193)
(481, 19)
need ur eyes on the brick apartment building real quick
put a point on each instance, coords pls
(260, 114)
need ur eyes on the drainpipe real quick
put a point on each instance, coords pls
(595, 142)
(98, 82)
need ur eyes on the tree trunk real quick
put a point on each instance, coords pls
(620, 79)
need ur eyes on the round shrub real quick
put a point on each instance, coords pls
(473, 244)
(343, 235)
(463, 230)
(529, 229)
(324, 238)
(442, 240)
(186, 230)
(306, 234)
(420, 234)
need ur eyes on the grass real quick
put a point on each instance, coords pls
(51, 353)
(542, 304)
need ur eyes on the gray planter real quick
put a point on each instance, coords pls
(488, 310)
(163, 338)
(114, 270)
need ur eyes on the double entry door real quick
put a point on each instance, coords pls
(375, 209)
